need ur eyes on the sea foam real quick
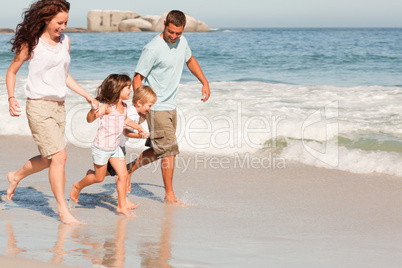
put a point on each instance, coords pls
(324, 126)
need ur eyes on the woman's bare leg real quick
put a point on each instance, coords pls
(33, 165)
(57, 178)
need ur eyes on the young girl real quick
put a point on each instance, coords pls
(143, 100)
(113, 116)
(39, 40)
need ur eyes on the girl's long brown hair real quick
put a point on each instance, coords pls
(109, 90)
(34, 21)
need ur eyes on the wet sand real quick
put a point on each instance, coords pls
(236, 216)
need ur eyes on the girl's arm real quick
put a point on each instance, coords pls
(134, 125)
(11, 77)
(94, 114)
(131, 134)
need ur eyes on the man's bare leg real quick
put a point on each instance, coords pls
(167, 166)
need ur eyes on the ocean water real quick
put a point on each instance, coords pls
(324, 97)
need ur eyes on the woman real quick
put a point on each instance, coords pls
(39, 40)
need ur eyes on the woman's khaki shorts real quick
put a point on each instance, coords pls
(162, 130)
(47, 121)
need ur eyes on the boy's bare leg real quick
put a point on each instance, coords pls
(90, 178)
(33, 165)
(145, 158)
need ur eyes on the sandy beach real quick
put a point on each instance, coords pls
(236, 215)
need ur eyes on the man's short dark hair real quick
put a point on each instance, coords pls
(176, 17)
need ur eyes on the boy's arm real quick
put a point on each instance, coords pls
(195, 69)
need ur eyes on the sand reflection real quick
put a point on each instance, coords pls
(158, 254)
(98, 246)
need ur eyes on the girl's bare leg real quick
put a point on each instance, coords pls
(91, 178)
(120, 166)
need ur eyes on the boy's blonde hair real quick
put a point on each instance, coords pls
(144, 94)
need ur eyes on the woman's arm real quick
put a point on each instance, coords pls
(11, 77)
(74, 86)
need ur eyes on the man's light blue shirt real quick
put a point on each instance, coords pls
(161, 64)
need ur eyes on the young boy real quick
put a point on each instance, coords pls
(143, 100)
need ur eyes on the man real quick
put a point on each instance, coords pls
(160, 66)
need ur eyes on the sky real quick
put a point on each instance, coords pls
(238, 13)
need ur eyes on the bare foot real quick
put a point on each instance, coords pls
(13, 184)
(124, 211)
(67, 218)
(130, 205)
(173, 201)
(75, 192)
(129, 187)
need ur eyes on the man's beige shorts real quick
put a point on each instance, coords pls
(47, 121)
(162, 130)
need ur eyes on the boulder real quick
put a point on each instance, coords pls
(192, 25)
(135, 25)
(108, 20)
(202, 27)
(6, 30)
(75, 30)
(152, 18)
(127, 21)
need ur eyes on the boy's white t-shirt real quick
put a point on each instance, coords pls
(133, 115)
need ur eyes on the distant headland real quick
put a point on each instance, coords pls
(128, 21)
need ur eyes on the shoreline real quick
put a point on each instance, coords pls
(299, 216)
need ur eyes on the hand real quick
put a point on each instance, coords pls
(94, 104)
(144, 134)
(14, 107)
(205, 92)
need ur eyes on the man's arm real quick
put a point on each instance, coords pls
(195, 68)
(137, 81)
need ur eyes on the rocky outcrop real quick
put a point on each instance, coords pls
(75, 30)
(127, 21)
(135, 25)
(5, 30)
(108, 20)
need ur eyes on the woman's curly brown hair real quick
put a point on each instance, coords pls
(34, 21)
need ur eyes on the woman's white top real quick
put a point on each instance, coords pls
(48, 71)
